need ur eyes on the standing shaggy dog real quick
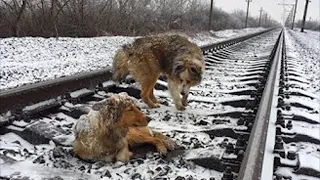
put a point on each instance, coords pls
(146, 58)
(102, 134)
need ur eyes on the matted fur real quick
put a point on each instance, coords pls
(101, 134)
(173, 55)
(107, 131)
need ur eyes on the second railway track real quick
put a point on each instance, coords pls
(224, 129)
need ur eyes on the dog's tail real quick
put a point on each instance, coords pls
(120, 65)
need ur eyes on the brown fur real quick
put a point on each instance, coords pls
(173, 55)
(144, 135)
(106, 132)
(100, 135)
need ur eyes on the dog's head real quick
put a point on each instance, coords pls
(120, 110)
(188, 71)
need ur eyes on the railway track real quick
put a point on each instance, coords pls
(242, 122)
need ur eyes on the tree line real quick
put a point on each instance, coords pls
(311, 24)
(89, 18)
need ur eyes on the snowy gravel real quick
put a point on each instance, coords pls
(211, 110)
(305, 48)
(28, 60)
(303, 73)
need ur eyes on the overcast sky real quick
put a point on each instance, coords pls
(271, 7)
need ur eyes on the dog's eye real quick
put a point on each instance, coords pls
(179, 68)
(188, 81)
(194, 70)
(181, 80)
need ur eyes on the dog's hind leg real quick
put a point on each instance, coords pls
(147, 86)
(152, 97)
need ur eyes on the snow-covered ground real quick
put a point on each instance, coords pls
(206, 38)
(28, 60)
(306, 49)
(310, 39)
(212, 108)
(303, 66)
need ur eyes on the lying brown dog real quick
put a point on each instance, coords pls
(113, 124)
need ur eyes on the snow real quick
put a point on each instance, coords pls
(76, 94)
(306, 50)
(304, 101)
(41, 172)
(28, 60)
(8, 140)
(304, 76)
(117, 170)
(309, 162)
(288, 172)
(20, 123)
(38, 105)
(304, 128)
(309, 38)
(308, 158)
(207, 38)
(312, 117)
(15, 128)
(183, 127)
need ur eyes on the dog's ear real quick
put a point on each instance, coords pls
(97, 106)
(183, 49)
(107, 102)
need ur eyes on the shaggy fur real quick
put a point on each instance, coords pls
(107, 131)
(101, 134)
(146, 58)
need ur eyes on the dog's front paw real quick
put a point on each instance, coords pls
(184, 102)
(171, 145)
(155, 105)
(162, 150)
(124, 157)
(180, 107)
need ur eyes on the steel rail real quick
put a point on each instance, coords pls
(16, 98)
(223, 44)
(251, 166)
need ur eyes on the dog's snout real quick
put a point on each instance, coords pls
(149, 119)
(182, 93)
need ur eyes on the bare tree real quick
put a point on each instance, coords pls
(102, 17)
(15, 28)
